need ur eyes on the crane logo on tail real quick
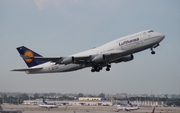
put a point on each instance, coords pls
(28, 53)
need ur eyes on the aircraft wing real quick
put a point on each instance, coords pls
(59, 60)
(71, 59)
(52, 59)
(28, 69)
(82, 59)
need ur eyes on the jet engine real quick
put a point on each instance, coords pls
(125, 58)
(68, 60)
(128, 58)
(99, 58)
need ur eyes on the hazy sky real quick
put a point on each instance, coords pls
(64, 27)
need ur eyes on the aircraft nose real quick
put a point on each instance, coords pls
(162, 36)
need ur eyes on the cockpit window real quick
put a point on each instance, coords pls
(150, 31)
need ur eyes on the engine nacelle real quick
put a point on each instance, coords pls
(68, 60)
(99, 58)
(125, 58)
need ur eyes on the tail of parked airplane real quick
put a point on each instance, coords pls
(24, 51)
(153, 110)
(44, 101)
(128, 102)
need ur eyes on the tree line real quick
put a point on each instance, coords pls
(18, 99)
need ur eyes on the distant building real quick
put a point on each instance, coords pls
(90, 99)
(72, 103)
(32, 102)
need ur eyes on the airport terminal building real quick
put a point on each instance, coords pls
(83, 101)
(92, 101)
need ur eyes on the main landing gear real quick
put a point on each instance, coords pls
(98, 67)
(95, 69)
(108, 67)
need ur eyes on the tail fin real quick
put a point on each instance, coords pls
(24, 51)
(128, 102)
(44, 101)
(153, 110)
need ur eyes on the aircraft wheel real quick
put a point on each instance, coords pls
(97, 70)
(92, 70)
(107, 69)
(152, 52)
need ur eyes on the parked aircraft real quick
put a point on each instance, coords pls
(48, 105)
(119, 50)
(128, 102)
(127, 108)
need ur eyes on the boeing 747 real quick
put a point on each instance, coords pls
(48, 105)
(116, 51)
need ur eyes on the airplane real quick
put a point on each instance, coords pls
(48, 105)
(116, 51)
(128, 102)
(127, 108)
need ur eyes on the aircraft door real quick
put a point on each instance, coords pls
(53, 68)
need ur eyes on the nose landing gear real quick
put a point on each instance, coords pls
(152, 51)
(154, 46)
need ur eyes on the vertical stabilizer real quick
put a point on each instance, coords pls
(153, 110)
(128, 102)
(24, 51)
(44, 101)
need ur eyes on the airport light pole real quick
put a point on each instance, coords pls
(3, 99)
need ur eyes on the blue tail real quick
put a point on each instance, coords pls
(44, 101)
(24, 51)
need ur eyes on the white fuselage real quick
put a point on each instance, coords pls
(123, 46)
(127, 108)
(48, 106)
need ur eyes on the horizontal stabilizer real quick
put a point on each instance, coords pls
(27, 55)
(27, 69)
(52, 59)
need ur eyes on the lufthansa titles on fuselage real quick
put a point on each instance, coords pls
(128, 41)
